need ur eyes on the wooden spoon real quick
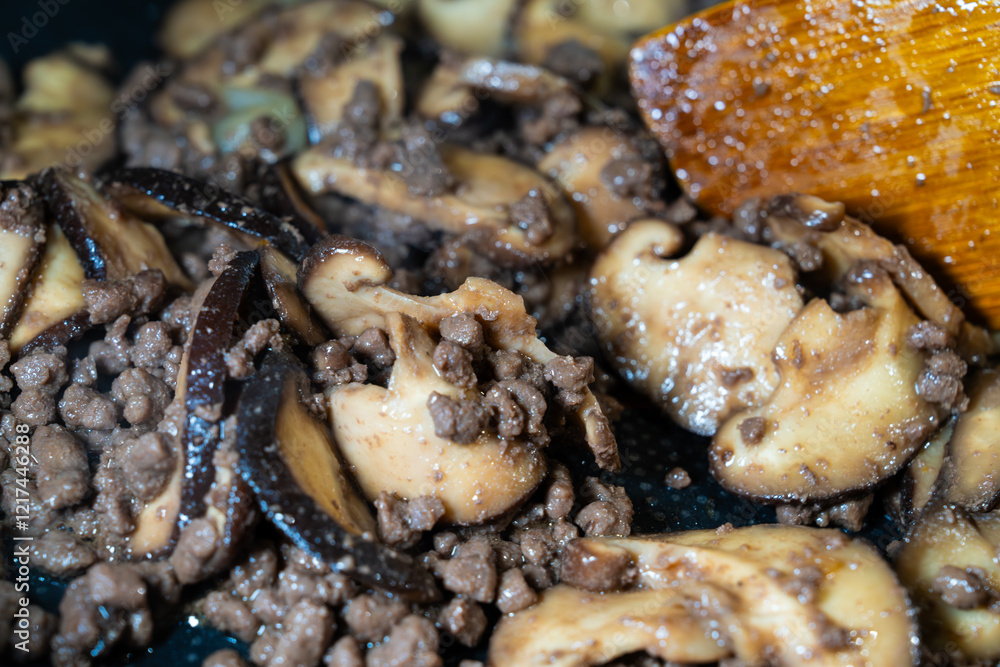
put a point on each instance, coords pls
(891, 106)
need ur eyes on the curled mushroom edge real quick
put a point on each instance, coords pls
(789, 595)
(387, 433)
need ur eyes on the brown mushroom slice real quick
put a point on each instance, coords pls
(290, 460)
(325, 94)
(279, 193)
(569, 627)
(543, 24)
(387, 436)
(22, 241)
(949, 563)
(696, 333)
(487, 186)
(846, 414)
(61, 117)
(786, 594)
(468, 26)
(445, 96)
(346, 281)
(158, 194)
(920, 480)
(293, 311)
(843, 241)
(514, 83)
(111, 243)
(197, 413)
(972, 471)
(55, 293)
(191, 25)
(576, 164)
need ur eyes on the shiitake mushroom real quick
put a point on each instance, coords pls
(158, 194)
(478, 206)
(22, 240)
(196, 411)
(292, 310)
(289, 459)
(111, 243)
(695, 333)
(971, 473)
(765, 594)
(347, 284)
(948, 561)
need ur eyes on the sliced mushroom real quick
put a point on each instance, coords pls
(111, 243)
(157, 194)
(544, 24)
(794, 221)
(387, 436)
(55, 294)
(696, 333)
(22, 240)
(972, 471)
(920, 480)
(513, 83)
(604, 26)
(191, 25)
(570, 627)
(949, 563)
(278, 192)
(577, 164)
(197, 414)
(846, 414)
(289, 459)
(764, 594)
(61, 118)
(446, 96)
(326, 93)
(279, 278)
(468, 26)
(346, 283)
(487, 188)
(235, 96)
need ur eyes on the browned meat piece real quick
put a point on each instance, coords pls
(514, 593)
(62, 554)
(106, 607)
(231, 615)
(412, 643)
(609, 513)
(402, 523)
(86, 408)
(371, 617)
(63, 473)
(472, 571)
(463, 329)
(141, 395)
(333, 365)
(464, 620)
(459, 420)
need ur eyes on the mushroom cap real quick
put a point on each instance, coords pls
(696, 333)
(846, 414)
(387, 438)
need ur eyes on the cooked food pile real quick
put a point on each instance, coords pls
(313, 341)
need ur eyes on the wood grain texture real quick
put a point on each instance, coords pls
(892, 107)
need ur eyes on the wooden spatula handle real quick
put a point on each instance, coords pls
(892, 108)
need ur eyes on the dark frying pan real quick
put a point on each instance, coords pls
(650, 444)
